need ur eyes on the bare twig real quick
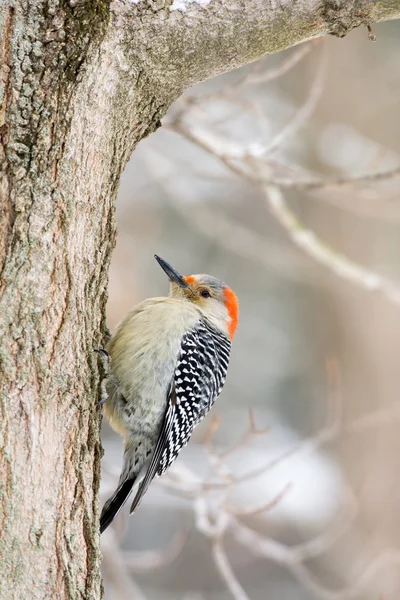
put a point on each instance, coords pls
(309, 242)
(292, 560)
(155, 559)
(302, 237)
(251, 512)
(255, 78)
(123, 585)
(335, 428)
(332, 533)
(304, 112)
(213, 428)
(226, 571)
(230, 152)
(252, 431)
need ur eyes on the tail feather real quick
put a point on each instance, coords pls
(115, 503)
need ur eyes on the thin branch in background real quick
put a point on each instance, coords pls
(373, 419)
(332, 533)
(210, 519)
(255, 78)
(308, 242)
(234, 156)
(328, 434)
(115, 571)
(155, 559)
(285, 556)
(251, 512)
(306, 446)
(251, 432)
(212, 429)
(304, 112)
(226, 571)
(234, 151)
(374, 572)
(335, 182)
(333, 429)
(219, 467)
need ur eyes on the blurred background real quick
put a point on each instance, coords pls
(282, 179)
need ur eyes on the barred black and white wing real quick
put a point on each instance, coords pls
(198, 380)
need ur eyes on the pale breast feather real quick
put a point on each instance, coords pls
(198, 379)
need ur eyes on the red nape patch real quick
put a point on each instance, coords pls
(232, 304)
(190, 279)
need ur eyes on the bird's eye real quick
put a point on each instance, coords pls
(205, 294)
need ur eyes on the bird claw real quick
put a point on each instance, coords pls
(102, 353)
(105, 358)
(104, 397)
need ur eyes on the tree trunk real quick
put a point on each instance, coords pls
(81, 83)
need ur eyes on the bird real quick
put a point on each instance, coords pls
(168, 361)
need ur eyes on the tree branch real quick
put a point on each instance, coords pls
(230, 34)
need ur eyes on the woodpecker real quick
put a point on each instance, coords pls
(168, 361)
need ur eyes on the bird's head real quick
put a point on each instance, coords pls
(211, 295)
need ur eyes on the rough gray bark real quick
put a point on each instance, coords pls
(81, 83)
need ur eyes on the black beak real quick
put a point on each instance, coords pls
(173, 275)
